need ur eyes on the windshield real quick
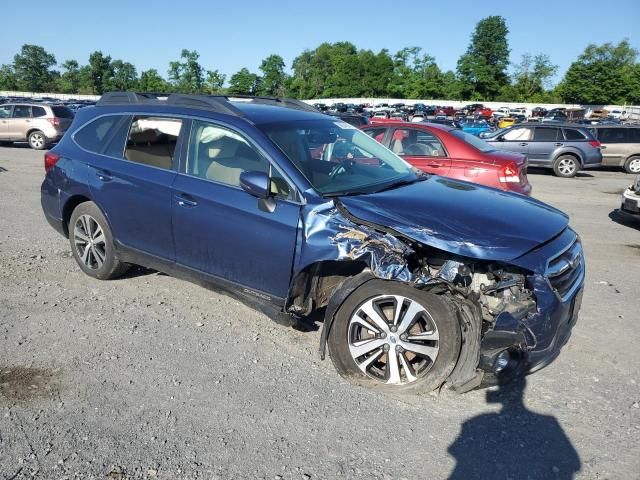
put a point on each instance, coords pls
(473, 141)
(338, 159)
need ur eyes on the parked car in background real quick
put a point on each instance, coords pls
(631, 198)
(506, 122)
(450, 152)
(446, 121)
(565, 148)
(620, 146)
(446, 111)
(475, 127)
(38, 124)
(352, 118)
(538, 112)
(422, 280)
(618, 114)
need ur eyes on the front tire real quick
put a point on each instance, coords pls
(37, 140)
(632, 165)
(92, 243)
(566, 166)
(392, 336)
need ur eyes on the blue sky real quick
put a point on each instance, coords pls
(232, 35)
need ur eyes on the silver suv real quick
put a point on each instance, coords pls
(36, 123)
(620, 146)
(566, 148)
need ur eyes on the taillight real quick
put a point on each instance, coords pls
(595, 143)
(50, 159)
(55, 121)
(509, 173)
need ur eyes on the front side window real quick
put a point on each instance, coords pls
(5, 111)
(338, 159)
(22, 111)
(545, 134)
(517, 135)
(221, 155)
(152, 141)
(414, 142)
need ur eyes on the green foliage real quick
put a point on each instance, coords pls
(273, 76)
(483, 68)
(151, 81)
(214, 82)
(531, 76)
(8, 79)
(69, 81)
(32, 69)
(244, 83)
(602, 74)
(124, 77)
(100, 72)
(187, 76)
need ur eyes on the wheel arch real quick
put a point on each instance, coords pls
(34, 129)
(68, 208)
(569, 153)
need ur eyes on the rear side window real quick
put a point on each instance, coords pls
(61, 112)
(573, 134)
(544, 134)
(633, 135)
(105, 135)
(152, 141)
(22, 111)
(38, 112)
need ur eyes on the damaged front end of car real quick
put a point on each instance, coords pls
(514, 315)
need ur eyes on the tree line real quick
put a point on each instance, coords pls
(602, 74)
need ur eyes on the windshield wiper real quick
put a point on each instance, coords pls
(402, 183)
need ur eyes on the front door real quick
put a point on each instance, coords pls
(220, 229)
(20, 122)
(515, 140)
(5, 115)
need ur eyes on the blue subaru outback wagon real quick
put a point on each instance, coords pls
(422, 280)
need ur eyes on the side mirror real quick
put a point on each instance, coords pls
(255, 183)
(500, 138)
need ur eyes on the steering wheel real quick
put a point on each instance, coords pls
(343, 166)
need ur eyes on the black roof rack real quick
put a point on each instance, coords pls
(217, 103)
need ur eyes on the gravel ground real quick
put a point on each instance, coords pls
(152, 377)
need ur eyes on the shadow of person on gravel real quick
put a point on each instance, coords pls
(513, 443)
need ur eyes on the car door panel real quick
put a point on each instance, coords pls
(545, 141)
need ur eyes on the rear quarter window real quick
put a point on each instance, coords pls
(573, 134)
(38, 112)
(104, 135)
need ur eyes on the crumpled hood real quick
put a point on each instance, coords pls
(462, 218)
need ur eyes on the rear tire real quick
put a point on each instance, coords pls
(632, 165)
(37, 140)
(566, 166)
(92, 243)
(417, 328)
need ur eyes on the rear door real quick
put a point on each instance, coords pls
(222, 230)
(20, 122)
(5, 115)
(541, 147)
(422, 149)
(131, 178)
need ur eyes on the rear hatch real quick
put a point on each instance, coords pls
(64, 116)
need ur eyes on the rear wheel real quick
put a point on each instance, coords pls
(566, 166)
(37, 140)
(92, 243)
(393, 336)
(632, 165)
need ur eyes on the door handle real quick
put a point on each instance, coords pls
(185, 201)
(103, 176)
(558, 144)
(524, 144)
(434, 165)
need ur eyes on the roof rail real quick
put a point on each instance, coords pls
(217, 103)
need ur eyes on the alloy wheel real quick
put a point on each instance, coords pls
(89, 241)
(566, 166)
(36, 140)
(393, 339)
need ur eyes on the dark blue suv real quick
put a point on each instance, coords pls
(421, 279)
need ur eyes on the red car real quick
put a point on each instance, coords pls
(449, 152)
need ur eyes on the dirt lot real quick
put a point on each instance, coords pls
(152, 377)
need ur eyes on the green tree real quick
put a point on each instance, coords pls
(187, 76)
(100, 72)
(32, 67)
(602, 74)
(416, 75)
(124, 77)
(244, 83)
(214, 82)
(377, 72)
(531, 76)
(69, 80)
(273, 76)
(151, 81)
(8, 79)
(483, 68)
